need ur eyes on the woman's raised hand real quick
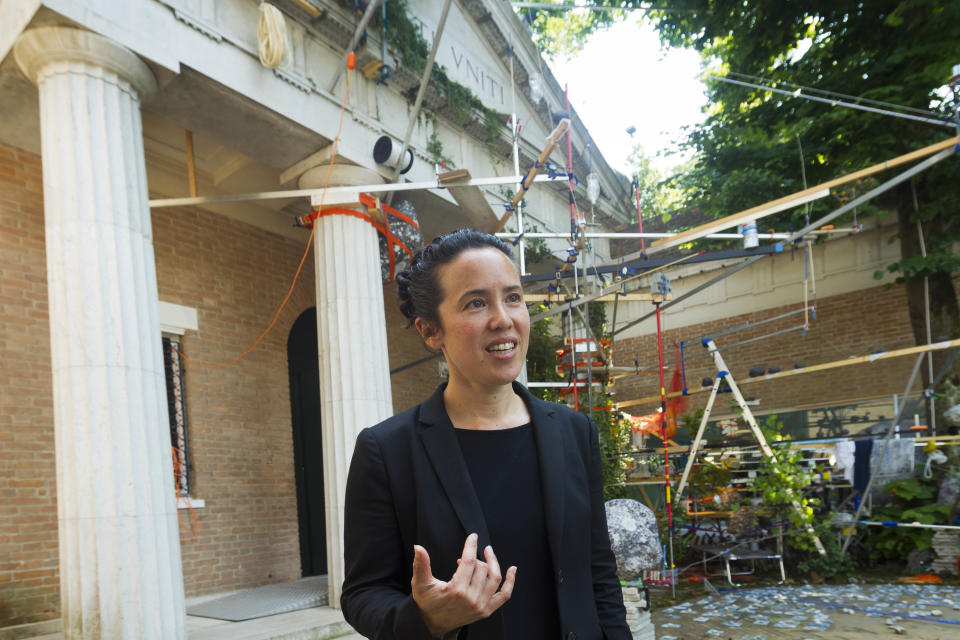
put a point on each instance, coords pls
(472, 593)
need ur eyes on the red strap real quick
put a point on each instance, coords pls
(382, 228)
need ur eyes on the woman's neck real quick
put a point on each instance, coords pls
(484, 409)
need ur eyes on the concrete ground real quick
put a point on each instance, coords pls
(318, 623)
(816, 612)
(810, 612)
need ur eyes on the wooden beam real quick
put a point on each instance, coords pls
(315, 159)
(191, 165)
(836, 364)
(610, 297)
(780, 204)
(532, 173)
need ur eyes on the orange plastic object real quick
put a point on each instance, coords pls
(351, 61)
(923, 578)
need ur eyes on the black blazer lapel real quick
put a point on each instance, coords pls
(440, 442)
(551, 443)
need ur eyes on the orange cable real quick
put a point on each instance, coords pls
(306, 252)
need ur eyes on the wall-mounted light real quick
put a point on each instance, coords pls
(387, 151)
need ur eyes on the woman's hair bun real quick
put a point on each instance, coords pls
(405, 296)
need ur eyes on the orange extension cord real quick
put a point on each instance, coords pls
(351, 65)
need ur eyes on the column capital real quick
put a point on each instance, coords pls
(37, 49)
(341, 175)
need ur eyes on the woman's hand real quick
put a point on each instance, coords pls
(470, 595)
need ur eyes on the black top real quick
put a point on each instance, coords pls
(505, 471)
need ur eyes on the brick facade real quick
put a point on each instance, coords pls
(29, 587)
(239, 424)
(852, 324)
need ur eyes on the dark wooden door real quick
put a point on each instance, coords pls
(307, 442)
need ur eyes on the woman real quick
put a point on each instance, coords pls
(481, 465)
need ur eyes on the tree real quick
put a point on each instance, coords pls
(748, 149)
(658, 195)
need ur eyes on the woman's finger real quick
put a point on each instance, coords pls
(500, 597)
(478, 582)
(422, 575)
(466, 565)
(493, 572)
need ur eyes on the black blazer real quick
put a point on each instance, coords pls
(409, 484)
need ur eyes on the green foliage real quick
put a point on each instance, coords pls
(834, 563)
(708, 478)
(562, 33)
(911, 503)
(404, 37)
(542, 355)
(614, 435)
(537, 249)
(781, 480)
(750, 146)
(683, 534)
(659, 195)
(597, 317)
(755, 146)
(435, 149)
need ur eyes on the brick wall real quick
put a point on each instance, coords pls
(412, 385)
(29, 588)
(239, 425)
(852, 324)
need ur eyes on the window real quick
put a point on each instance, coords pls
(175, 320)
(177, 410)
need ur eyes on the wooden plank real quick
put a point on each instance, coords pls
(453, 176)
(898, 353)
(746, 215)
(610, 297)
(315, 159)
(532, 173)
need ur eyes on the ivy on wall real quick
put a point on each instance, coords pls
(404, 38)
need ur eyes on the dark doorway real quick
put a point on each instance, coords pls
(307, 442)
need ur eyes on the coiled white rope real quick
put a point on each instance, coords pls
(272, 42)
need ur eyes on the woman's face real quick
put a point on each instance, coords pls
(484, 325)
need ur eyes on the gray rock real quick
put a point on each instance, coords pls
(949, 490)
(633, 537)
(952, 416)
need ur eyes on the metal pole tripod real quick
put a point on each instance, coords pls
(724, 374)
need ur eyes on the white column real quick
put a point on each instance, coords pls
(352, 343)
(120, 571)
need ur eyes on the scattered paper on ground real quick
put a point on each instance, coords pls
(817, 612)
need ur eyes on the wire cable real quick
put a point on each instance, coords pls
(827, 93)
(945, 122)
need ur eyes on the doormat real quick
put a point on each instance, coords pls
(265, 601)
